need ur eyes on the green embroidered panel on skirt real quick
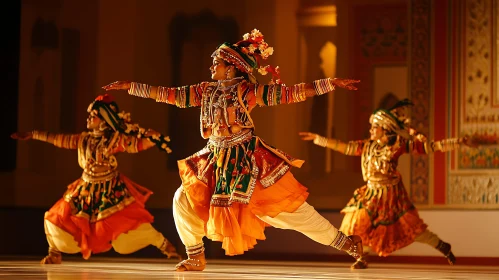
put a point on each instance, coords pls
(235, 173)
(96, 201)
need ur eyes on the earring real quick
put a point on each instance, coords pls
(102, 126)
(227, 74)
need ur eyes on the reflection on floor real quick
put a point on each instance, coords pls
(118, 268)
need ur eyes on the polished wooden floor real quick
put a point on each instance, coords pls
(117, 268)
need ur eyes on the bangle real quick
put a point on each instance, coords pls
(140, 90)
(320, 141)
(323, 86)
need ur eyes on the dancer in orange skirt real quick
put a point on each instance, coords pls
(103, 208)
(238, 184)
(381, 211)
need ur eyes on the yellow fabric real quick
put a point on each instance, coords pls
(307, 221)
(134, 240)
(126, 243)
(59, 239)
(428, 237)
(190, 227)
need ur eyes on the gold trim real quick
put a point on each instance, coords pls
(104, 214)
(275, 175)
(99, 179)
(224, 142)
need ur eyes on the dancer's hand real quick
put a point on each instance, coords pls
(416, 135)
(118, 85)
(22, 135)
(345, 83)
(308, 136)
(469, 141)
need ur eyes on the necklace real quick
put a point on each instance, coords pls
(225, 88)
(230, 80)
(96, 133)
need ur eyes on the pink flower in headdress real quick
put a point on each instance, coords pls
(106, 98)
(264, 70)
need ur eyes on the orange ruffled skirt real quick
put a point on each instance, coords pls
(94, 235)
(384, 218)
(238, 226)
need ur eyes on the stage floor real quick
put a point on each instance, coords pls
(125, 268)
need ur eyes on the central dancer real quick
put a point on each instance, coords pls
(238, 184)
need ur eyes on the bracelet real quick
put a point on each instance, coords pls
(39, 135)
(320, 141)
(162, 95)
(140, 90)
(323, 86)
(339, 240)
(196, 249)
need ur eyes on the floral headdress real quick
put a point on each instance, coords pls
(247, 55)
(107, 110)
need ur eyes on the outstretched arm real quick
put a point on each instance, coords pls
(66, 141)
(352, 148)
(182, 97)
(275, 94)
(134, 144)
(425, 147)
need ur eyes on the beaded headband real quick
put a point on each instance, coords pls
(389, 121)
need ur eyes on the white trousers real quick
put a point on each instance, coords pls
(305, 220)
(126, 243)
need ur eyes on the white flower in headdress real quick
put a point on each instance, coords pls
(246, 36)
(251, 48)
(263, 46)
(255, 33)
(267, 52)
